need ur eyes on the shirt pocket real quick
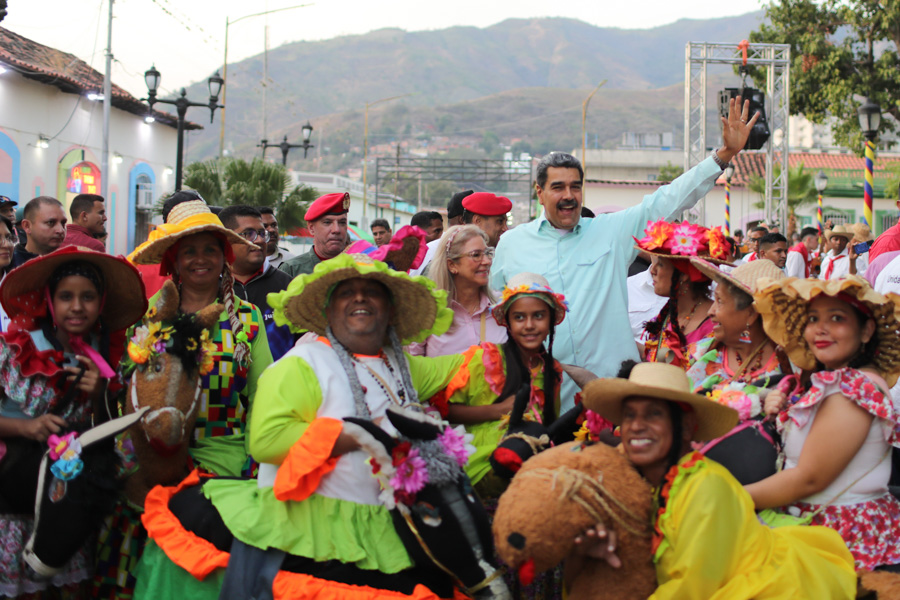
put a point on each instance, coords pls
(589, 266)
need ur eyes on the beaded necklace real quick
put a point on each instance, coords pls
(398, 398)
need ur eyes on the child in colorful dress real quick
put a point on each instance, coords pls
(69, 310)
(839, 428)
(530, 311)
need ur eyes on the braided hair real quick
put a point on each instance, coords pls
(226, 288)
(517, 374)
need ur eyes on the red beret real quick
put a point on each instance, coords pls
(329, 204)
(487, 204)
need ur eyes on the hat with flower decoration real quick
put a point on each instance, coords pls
(532, 285)
(420, 309)
(681, 241)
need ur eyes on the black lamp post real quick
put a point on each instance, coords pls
(286, 147)
(152, 78)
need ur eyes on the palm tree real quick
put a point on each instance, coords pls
(801, 188)
(233, 181)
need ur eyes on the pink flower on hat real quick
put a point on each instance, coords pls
(687, 239)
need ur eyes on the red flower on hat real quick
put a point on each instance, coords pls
(656, 235)
(718, 245)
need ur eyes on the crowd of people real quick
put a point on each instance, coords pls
(753, 387)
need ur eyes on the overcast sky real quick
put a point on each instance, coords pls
(185, 39)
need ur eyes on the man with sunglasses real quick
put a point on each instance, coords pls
(254, 277)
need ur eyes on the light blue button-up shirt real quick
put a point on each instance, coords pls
(589, 265)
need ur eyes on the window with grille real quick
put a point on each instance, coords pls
(888, 221)
(837, 218)
(144, 191)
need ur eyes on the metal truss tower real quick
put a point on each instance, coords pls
(776, 60)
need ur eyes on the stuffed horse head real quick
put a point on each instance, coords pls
(524, 438)
(169, 353)
(435, 511)
(560, 493)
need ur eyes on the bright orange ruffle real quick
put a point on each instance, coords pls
(298, 586)
(494, 370)
(186, 549)
(441, 400)
(308, 460)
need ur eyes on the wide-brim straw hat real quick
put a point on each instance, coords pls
(784, 306)
(125, 301)
(839, 230)
(862, 233)
(534, 285)
(659, 381)
(744, 277)
(187, 218)
(420, 309)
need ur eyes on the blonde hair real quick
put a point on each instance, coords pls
(449, 248)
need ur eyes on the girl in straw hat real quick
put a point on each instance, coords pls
(707, 541)
(195, 248)
(736, 366)
(70, 309)
(838, 428)
(683, 321)
(529, 311)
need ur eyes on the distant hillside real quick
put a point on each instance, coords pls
(465, 78)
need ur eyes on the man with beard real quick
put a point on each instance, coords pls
(88, 213)
(327, 220)
(274, 252)
(44, 223)
(254, 280)
(587, 259)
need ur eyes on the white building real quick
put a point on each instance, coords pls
(51, 139)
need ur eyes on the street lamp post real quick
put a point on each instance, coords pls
(286, 147)
(869, 120)
(152, 78)
(821, 181)
(729, 173)
(365, 221)
(228, 23)
(584, 107)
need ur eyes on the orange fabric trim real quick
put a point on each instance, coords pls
(299, 586)
(675, 472)
(308, 460)
(186, 549)
(441, 400)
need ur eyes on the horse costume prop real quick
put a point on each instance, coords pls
(525, 438)
(164, 377)
(436, 513)
(560, 493)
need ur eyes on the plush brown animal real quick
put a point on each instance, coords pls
(169, 386)
(560, 493)
(878, 585)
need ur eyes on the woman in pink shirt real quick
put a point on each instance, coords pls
(461, 266)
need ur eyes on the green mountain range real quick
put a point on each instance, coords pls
(519, 80)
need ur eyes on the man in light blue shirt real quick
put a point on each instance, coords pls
(587, 259)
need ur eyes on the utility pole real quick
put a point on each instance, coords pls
(107, 103)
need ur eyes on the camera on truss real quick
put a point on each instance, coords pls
(760, 132)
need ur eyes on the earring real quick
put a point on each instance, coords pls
(745, 336)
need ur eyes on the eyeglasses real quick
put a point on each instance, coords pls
(478, 255)
(251, 235)
(10, 239)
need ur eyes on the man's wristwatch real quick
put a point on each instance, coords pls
(721, 164)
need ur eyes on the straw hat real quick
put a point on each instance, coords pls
(420, 310)
(660, 381)
(783, 306)
(535, 286)
(125, 302)
(745, 277)
(185, 219)
(839, 230)
(862, 233)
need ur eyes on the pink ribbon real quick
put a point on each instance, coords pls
(84, 349)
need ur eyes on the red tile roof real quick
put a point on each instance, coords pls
(68, 73)
(748, 164)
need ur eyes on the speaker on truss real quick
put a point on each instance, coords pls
(760, 132)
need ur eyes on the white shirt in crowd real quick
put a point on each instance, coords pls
(842, 264)
(643, 303)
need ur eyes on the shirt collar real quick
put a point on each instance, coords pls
(542, 219)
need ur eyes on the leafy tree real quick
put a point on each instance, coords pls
(841, 52)
(235, 181)
(668, 172)
(801, 188)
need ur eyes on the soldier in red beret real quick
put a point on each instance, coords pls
(488, 211)
(327, 222)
